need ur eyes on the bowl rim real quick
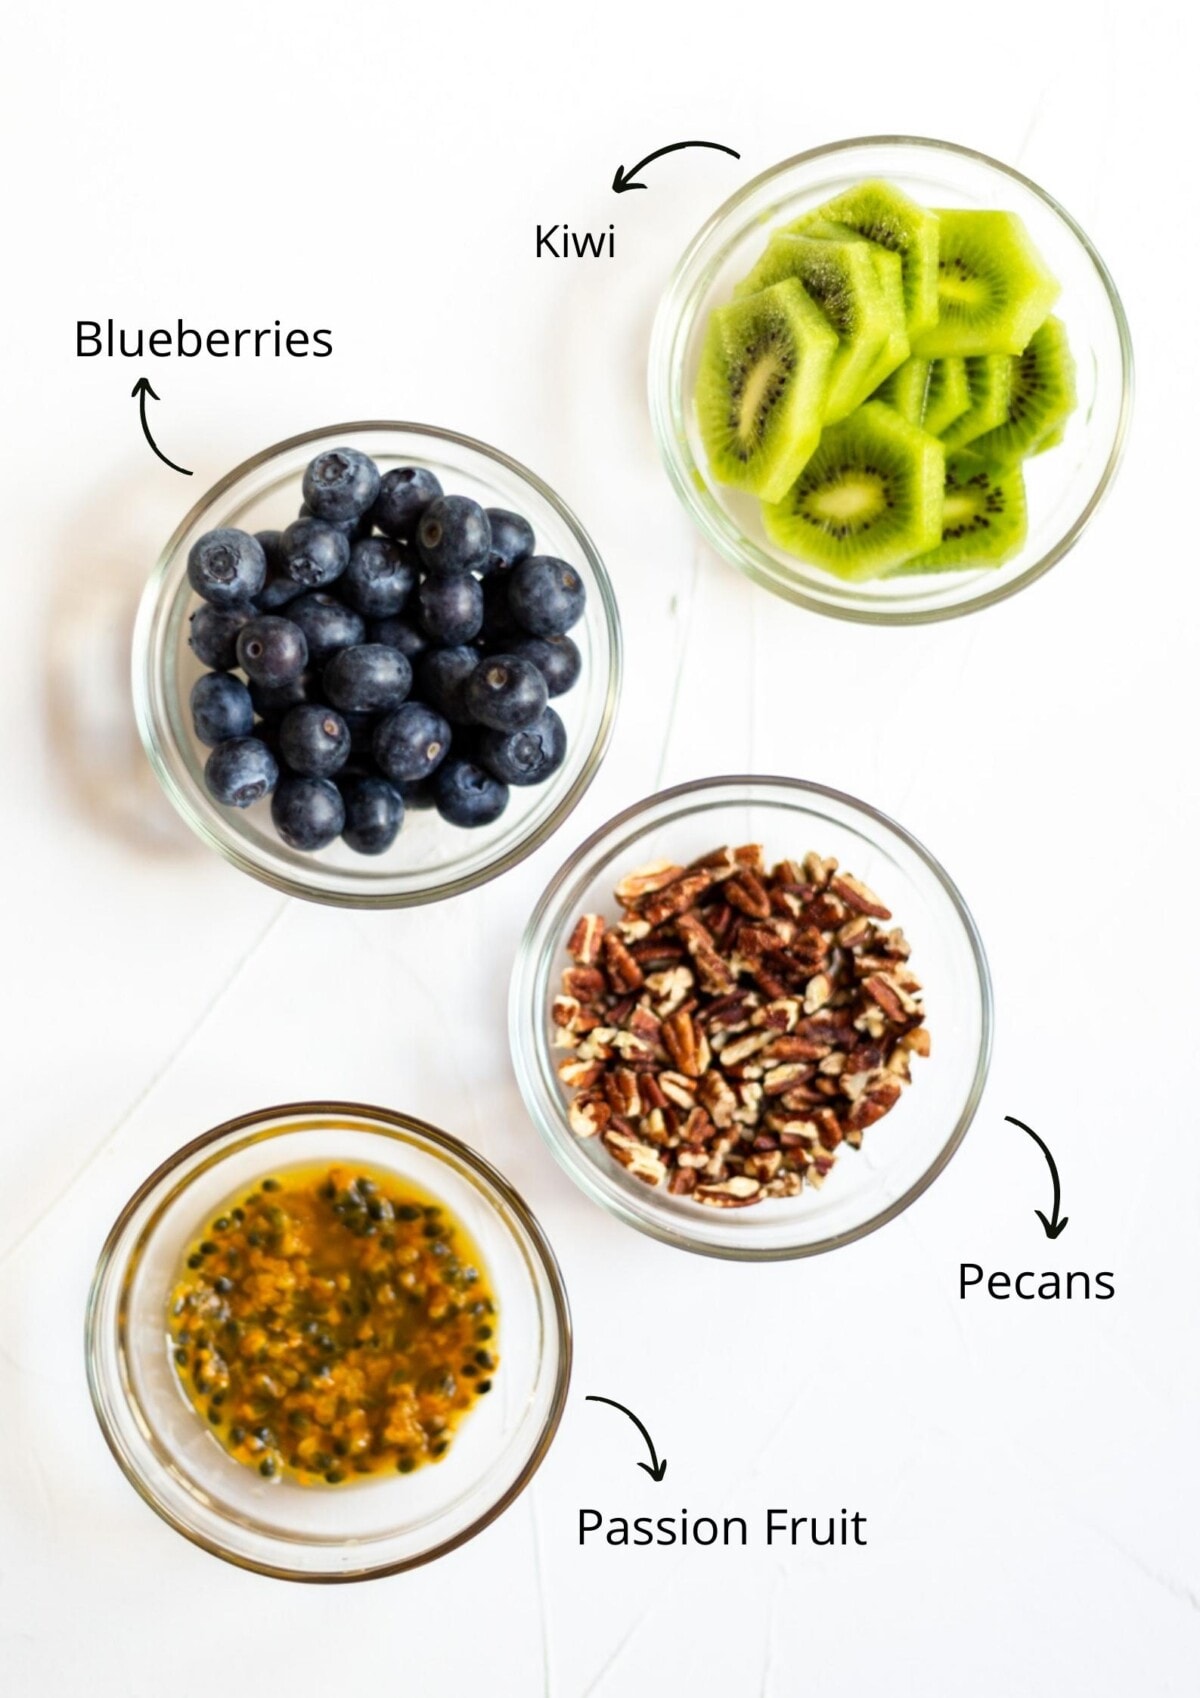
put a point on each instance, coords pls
(527, 1051)
(149, 690)
(660, 373)
(108, 1267)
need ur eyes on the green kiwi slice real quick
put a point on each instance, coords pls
(983, 518)
(841, 278)
(869, 498)
(993, 287)
(1041, 398)
(989, 385)
(760, 395)
(884, 215)
(929, 393)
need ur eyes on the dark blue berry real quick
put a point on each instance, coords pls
(454, 535)
(221, 708)
(314, 553)
(411, 743)
(512, 540)
(226, 567)
(451, 607)
(467, 795)
(240, 772)
(272, 650)
(351, 529)
(369, 678)
(546, 596)
(404, 494)
(379, 578)
(374, 814)
(440, 677)
(278, 589)
(328, 625)
(213, 631)
(399, 634)
(525, 757)
(314, 741)
(556, 658)
(308, 812)
(505, 693)
(340, 484)
(271, 702)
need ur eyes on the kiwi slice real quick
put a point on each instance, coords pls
(1041, 398)
(989, 385)
(983, 517)
(841, 278)
(881, 213)
(764, 375)
(929, 393)
(993, 288)
(869, 498)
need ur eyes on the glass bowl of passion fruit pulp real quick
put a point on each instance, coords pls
(1063, 486)
(268, 1511)
(430, 859)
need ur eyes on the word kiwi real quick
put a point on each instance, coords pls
(571, 244)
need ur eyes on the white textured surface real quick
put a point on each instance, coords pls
(1028, 1470)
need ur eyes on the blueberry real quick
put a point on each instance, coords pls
(272, 701)
(340, 484)
(226, 567)
(467, 795)
(278, 589)
(454, 535)
(525, 757)
(240, 772)
(546, 596)
(308, 812)
(440, 676)
(379, 578)
(410, 743)
(212, 633)
(399, 634)
(351, 529)
(374, 814)
(556, 658)
(505, 693)
(512, 540)
(314, 554)
(272, 650)
(369, 678)
(451, 606)
(221, 708)
(404, 494)
(314, 741)
(327, 624)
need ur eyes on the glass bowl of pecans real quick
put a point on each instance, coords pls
(752, 1017)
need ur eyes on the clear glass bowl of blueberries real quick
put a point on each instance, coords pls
(377, 664)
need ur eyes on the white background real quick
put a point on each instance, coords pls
(1028, 1470)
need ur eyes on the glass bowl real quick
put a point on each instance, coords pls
(430, 859)
(904, 1152)
(281, 1528)
(1064, 486)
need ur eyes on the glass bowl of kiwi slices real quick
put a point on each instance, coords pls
(891, 379)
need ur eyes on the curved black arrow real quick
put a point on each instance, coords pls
(1053, 1226)
(142, 388)
(654, 1467)
(623, 180)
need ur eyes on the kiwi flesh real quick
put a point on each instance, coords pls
(993, 287)
(884, 215)
(869, 498)
(929, 393)
(983, 517)
(989, 385)
(1041, 397)
(842, 280)
(760, 395)
(890, 274)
